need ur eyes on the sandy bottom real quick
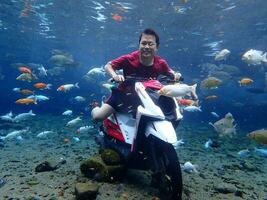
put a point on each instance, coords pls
(217, 168)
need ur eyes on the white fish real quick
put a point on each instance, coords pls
(19, 139)
(98, 6)
(108, 86)
(207, 144)
(213, 45)
(225, 126)
(254, 57)
(261, 152)
(38, 97)
(100, 17)
(222, 55)
(7, 117)
(42, 71)
(189, 167)
(192, 109)
(210, 123)
(126, 6)
(24, 116)
(229, 8)
(178, 90)
(73, 122)
(67, 112)
(76, 139)
(178, 143)
(44, 134)
(243, 153)
(84, 129)
(14, 134)
(79, 99)
(67, 87)
(215, 114)
(16, 89)
(96, 71)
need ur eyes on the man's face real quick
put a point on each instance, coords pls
(148, 46)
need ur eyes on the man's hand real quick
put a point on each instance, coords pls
(118, 78)
(177, 76)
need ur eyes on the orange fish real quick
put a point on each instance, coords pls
(117, 17)
(211, 97)
(25, 69)
(186, 102)
(42, 86)
(66, 140)
(245, 81)
(26, 101)
(260, 136)
(26, 91)
(125, 196)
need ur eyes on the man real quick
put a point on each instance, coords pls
(142, 63)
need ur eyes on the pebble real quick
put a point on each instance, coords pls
(2, 182)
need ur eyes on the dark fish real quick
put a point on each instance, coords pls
(215, 144)
(255, 90)
(2, 182)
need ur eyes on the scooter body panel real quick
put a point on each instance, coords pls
(126, 127)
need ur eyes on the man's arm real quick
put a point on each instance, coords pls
(117, 77)
(176, 76)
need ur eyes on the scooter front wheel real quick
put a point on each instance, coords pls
(168, 175)
(173, 176)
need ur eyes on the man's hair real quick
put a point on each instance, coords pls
(150, 31)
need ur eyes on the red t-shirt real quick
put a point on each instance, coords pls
(131, 66)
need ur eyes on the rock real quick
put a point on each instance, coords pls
(53, 198)
(239, 193)
(2, 143)
(110, 157)
(86, 191)
(248, 166)
(94, 167)
(32, 181)
(225, 189)
(2, 182)
(202, 175)
(46, 166)
(220, 172)
(33, 198)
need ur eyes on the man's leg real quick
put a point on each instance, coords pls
(101, 113)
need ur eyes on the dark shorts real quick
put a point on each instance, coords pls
(124, 102)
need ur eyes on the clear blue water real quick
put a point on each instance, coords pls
(190, 33)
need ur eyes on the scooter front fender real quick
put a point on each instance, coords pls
(163, 130)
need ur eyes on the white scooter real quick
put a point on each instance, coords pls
(146, 141)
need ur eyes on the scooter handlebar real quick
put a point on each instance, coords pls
(162, 78)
